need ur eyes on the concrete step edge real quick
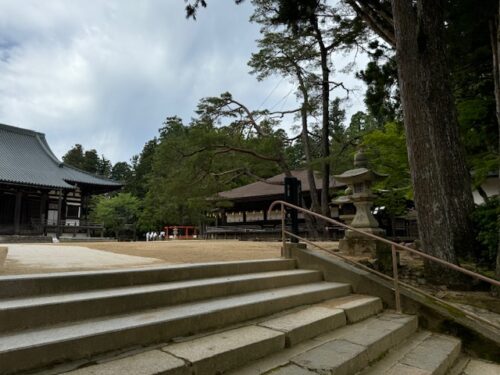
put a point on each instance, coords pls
(296, 326)
(17, 314)
(355, 347)
(209, 355)
(72, 342)
(435, 355)
(41, 284)
(326, 316)
(294, 334)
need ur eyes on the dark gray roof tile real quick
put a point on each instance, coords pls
(26, 158)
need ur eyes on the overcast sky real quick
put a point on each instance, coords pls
(106, 74)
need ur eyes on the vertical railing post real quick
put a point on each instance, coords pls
(395, 277)
(283, 239)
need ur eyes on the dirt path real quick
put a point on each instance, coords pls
(70, 256)
(191, 251)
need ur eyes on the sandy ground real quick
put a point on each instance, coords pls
(192, 251)
(35, 258)
(62, 257)
(44, 258)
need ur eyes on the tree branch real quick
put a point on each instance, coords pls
(226, 149)
(379, 20)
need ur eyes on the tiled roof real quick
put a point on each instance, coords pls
(274, 186)
(26, 158)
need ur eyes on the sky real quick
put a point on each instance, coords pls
(106, 74)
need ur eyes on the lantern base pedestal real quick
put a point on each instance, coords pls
(356, 244)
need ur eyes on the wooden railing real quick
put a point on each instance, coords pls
(395, 247)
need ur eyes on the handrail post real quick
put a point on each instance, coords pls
(395, 277)
(283, 239)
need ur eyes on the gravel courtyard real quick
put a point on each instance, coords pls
(191, 251)
(64, 257)
(79, 256)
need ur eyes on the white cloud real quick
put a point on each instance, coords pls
(106, 73)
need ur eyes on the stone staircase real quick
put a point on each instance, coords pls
(249, 317)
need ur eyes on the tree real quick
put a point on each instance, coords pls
(226, 146)
(441, 181)
(104, 167)
(121, 171)
(330, 31)
(74, 156)
(386, 152)
(314, 30)
(495, 48)
(88, 161)
(115, 212)
(91, 161)
(382, 95)
(440, 176)
(141, 169)
(287, 55)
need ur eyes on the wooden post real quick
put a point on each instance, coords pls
(17, 212)
(283, 238)
(59, 211)
(397, 295)
(43, 211)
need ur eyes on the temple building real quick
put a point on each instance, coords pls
(247, 215)
(39, 194)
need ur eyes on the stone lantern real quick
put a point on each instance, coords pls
(360, 180)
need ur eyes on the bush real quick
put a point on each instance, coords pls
(116, 212)
(486, 223)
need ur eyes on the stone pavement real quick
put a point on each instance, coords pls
(33, 258)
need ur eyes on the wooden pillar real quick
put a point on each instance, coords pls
(59, 212)
(43, 211)
(17, 212)
(84, 201)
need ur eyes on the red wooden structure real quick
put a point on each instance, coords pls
(180, 232)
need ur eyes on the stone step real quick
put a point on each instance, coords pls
(324, 317)
(65, 282)
(87, 338)
(22, 313)
(208, 355)
(425, 353)
(479, 367)
(344, 351)
(223, 351)
(357, 307)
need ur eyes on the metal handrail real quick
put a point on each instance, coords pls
(395, 247)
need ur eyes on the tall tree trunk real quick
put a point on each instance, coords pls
(313, 191)
(441, 181)
(325, 127)
(304, 111)
(495, 49)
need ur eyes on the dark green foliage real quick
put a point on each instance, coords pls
(141, 168)
(88, 161)
(122, 171)
(386, 152)
(486, 222)
(74, 156)
(115, 212)
(225, 147)
(470, 59)
(382, 94)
